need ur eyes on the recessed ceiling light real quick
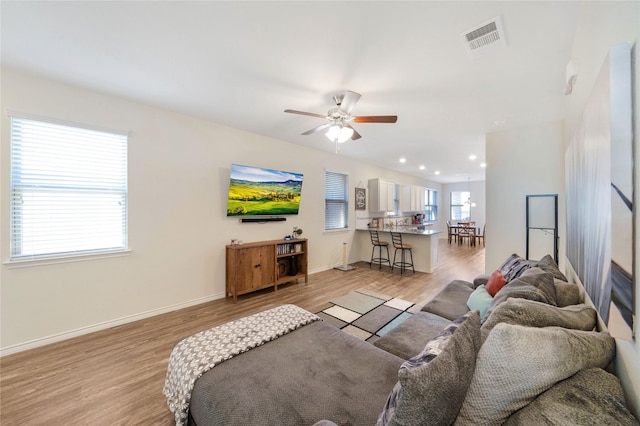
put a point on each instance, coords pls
(403, 160)
(422, 167)
(483, 164)
(437, 172)
(472, 157)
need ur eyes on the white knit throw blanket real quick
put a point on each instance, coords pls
(196, 354)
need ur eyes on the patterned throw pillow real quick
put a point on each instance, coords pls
(514, 266)
(432, 385)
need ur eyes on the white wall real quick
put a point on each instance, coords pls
(602, 25)
(521, 162)
(178, 178)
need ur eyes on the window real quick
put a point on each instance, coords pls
(68, 190)
(430, 205)
(336, 200)
(460, 207)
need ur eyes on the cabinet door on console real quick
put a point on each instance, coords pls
(256, 268)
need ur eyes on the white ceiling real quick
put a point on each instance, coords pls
(242, 64)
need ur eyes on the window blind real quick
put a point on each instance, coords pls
(460, 208)
(336, 188)
(68, 190)
(431, 205)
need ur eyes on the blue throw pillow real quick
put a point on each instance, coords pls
(480, 299)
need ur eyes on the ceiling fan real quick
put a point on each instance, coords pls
(338, 127)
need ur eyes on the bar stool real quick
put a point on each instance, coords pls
(375, 240)
(398, 245)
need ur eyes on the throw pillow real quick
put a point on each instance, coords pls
(529, 313)
(495, 283)
(543, 281)
(590, 397)
(432, 385)
(480, 299)
(514, 266)
(516, 364)
(534, 284)
(566, 293)
(547, 264)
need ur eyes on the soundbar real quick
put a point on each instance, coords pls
(262, 219)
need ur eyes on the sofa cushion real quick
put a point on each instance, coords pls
(566, 293)
(534, 284)
(514, 266)
(410, 337)
(480, 299)
(432, 385)
(516, 364)
(590, 397)
(547, 264)
(535, 314)
(451, 302)
(480, 280)
(495, 283)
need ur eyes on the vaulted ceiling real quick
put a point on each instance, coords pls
(242, 64)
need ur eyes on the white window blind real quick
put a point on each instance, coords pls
(336, 204)
(68, 190)
(460, 206)
(431, 205)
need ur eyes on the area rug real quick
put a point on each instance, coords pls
(366, 315)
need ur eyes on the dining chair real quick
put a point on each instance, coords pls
(452, 232)
(466, 232)
(375, 240)
(481, 236)
(396, 238)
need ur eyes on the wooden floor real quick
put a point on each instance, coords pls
(115, 376)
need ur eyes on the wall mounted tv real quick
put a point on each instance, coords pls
(256, 191)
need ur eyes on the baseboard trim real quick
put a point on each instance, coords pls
(32, 344)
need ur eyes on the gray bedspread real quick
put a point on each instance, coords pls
(316, 372)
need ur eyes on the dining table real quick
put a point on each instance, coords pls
(465, 229)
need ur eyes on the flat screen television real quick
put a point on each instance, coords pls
(256, 191)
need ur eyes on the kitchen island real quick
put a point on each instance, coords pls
(423, 241)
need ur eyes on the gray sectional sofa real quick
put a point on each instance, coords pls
(530, 354)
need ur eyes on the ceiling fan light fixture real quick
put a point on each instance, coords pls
(338, 133)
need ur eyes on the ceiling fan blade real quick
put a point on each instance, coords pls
(317, 129)
(355, 135)
(349, 101)
(310, 114)
(375, 119)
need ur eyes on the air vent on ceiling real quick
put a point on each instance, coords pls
(481, 38)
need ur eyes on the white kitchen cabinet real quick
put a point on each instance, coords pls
(381, 195)
(412, 198)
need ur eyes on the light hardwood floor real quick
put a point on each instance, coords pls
(115, 376)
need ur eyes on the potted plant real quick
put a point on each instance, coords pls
(296, 232)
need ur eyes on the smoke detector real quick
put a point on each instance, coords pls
(484, 37)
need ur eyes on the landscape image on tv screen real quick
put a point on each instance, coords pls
(256, 191)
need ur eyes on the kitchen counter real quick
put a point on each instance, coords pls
(424, 244)
(403, 229)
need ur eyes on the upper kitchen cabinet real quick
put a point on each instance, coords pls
(382, 195)
(412, 198)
